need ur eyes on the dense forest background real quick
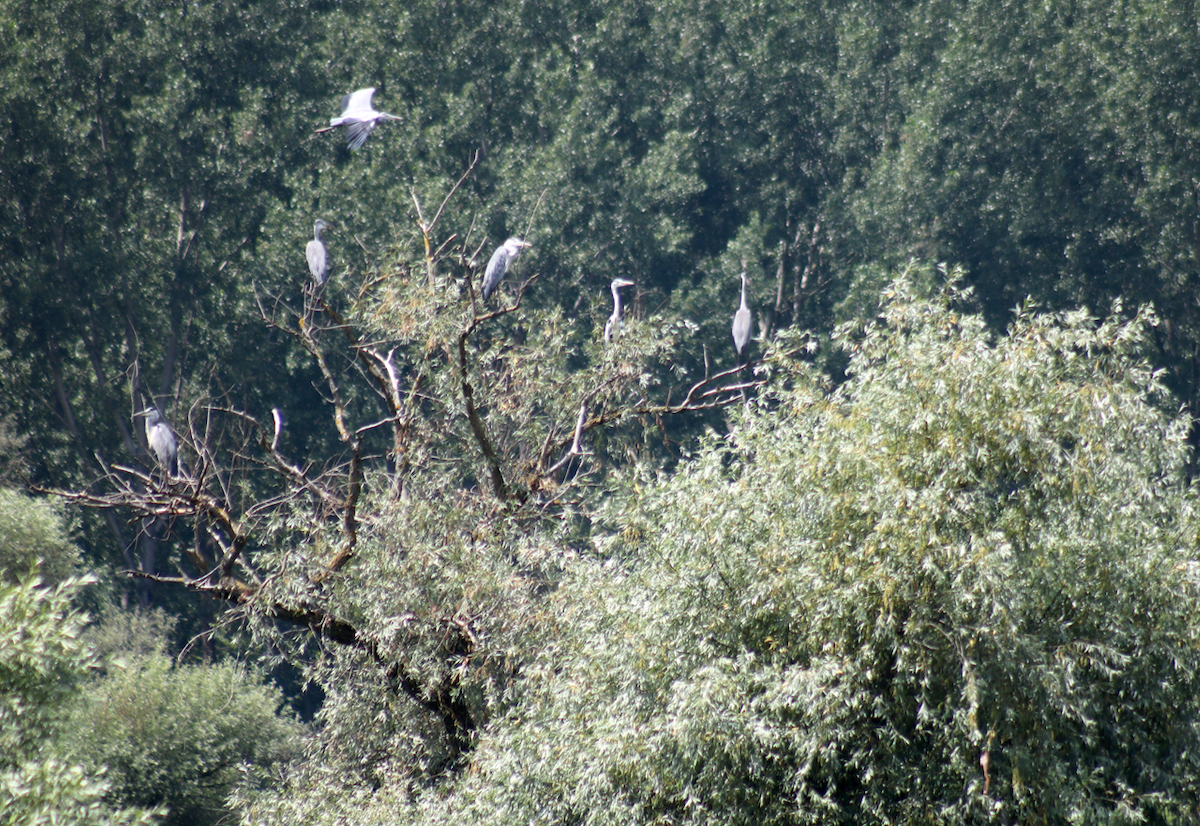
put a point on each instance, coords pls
(930, 556)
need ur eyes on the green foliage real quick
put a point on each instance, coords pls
(145, 147)
(144, 737)
(33, 534)
(51, 793)
(42, 662)
(119, 634)
(957, 588)
(484, 504)
(1045, 148)
(42, 659)
(180, 737)
(902, 535)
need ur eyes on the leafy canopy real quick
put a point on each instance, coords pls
(958, 587)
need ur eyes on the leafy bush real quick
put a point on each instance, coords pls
(32, 530)
(42, 661)
(181, 736)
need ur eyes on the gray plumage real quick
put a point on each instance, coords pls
(315, 253)
(742, 323)
(501, 260)
(613, 325)
(359, 116)
(161, 440)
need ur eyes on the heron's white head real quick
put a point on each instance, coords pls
(151, 415)
(618, 283)
(515, 245)
(321, 224)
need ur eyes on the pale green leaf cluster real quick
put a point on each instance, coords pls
(181, 737)
(51, 793)
(42, 662)
(42, 659)
(958, 589)
(33, 534)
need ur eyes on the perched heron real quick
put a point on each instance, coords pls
(162, 441)
(359, 117)
(501, 260)
(741, 323)
(613, 325)
(315, 253)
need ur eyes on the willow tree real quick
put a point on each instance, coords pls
(958, 588)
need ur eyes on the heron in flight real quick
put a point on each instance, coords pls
(613, 325)
(359, 117)
(315, 253)
(501, 260)
(161, 440)
(741, 323)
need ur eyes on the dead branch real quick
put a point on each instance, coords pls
(706, 394)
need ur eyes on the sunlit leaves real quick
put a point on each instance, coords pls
(43, 661)
(954, 583)
(181, 735)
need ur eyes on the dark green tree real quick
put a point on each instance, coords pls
(181, 738)
(142, 149)
(1045, 149)
(34, 537)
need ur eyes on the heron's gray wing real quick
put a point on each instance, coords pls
(315, 252)
(741, 329)
(172, 455)
(496, 268)
(357, 131)
(345, 102)
(165, 447)
(361, 99)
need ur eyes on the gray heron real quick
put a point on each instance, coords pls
(161, 440)
(741, 323)
(315, 253)
(359, 117)
(501, 260)
(613, 325)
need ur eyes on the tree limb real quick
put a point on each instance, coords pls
(489, 451)
(442, 700)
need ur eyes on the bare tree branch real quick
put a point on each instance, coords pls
(706, 394)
